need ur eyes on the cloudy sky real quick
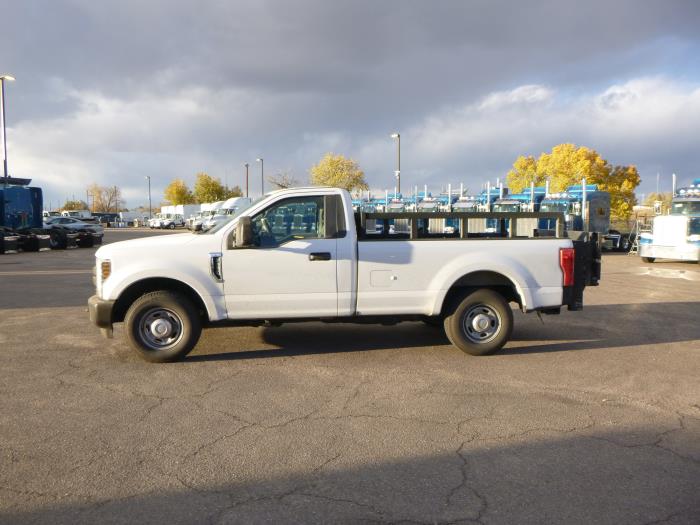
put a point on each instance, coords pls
(110, 92)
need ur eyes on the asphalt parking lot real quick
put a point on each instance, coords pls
(591, 417)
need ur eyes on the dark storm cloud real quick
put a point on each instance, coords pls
(287, 77)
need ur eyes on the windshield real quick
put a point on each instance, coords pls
(509, 208)
(694, 226)
(228, 218)
(555, 207)
(686, 208)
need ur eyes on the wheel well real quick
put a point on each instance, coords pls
(137, 289)
(479, 280)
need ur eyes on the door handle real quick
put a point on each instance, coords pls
(320, 256)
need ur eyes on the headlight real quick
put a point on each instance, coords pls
(694, 238)
(105, 269)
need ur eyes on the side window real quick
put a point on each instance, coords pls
(289, 219)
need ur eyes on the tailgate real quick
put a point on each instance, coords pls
(587, 267)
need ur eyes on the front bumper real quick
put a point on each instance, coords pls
(100, 312)
(683, 252)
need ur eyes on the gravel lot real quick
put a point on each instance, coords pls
(591, 417)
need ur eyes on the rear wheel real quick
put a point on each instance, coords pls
(162, 326)
(648, 259)
(481, 323)
(57, 240)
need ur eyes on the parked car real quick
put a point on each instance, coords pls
(73, 224)
(89, 234)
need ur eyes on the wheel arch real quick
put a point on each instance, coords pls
(481, 279)
(152, 284)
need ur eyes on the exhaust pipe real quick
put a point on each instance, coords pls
(584, 202)
(488, 196)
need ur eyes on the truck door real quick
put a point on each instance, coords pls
(291, 271)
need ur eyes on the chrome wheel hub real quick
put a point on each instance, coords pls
(481, 323)
(160, 328)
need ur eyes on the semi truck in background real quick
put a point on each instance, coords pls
(22, 225)
(228, 208)
(676, 235)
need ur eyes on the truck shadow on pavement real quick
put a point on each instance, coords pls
(596, 476)
(597, 326)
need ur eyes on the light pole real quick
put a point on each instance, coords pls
(3, 78)
(150, 213)
(246, 179)
(397, 136)
(262, 175)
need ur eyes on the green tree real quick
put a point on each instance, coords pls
(209, 189)
(567, 164)
(338, 172)
(177, 192)
(236, 191)
(75, 205)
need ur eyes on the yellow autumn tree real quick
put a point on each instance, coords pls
(567, 164)
(177, 192)
(523, 173)
(338, 172)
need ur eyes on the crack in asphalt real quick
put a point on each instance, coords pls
(464, 483)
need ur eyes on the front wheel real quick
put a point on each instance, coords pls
(481, 323)
(162, 326)
(57, 240)
(648, 259)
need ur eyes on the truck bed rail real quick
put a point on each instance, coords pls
(416, 225)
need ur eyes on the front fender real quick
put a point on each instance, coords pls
(193, 276)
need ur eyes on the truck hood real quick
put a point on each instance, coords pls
(156, 246)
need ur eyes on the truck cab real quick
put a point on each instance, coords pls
(677, 235)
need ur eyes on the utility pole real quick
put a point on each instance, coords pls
(246, 179)
(397, 136)
(262, 175)
(150, 212)
(3, 78)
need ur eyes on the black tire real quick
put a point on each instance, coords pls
(57, 240)
(648, 259)
(169, 311)
(481, 307)
(172, 226)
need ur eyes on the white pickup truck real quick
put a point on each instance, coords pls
(302, 254)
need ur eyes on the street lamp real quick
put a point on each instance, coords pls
(262, 175)
(246, 179)
(397, 136)
(3, 78)
(150, 213)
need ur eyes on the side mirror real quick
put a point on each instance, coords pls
(244, 232)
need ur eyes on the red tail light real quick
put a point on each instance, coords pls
(566, 262)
